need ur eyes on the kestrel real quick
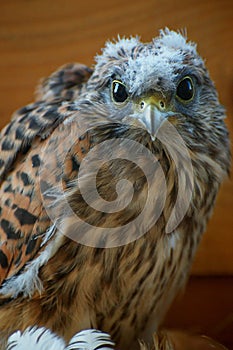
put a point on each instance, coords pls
(107, 183)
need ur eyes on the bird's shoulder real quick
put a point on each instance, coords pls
(54, 97)
(66, 83)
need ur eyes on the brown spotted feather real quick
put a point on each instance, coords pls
(23, 219)
(67, 83)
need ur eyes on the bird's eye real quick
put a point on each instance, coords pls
(119, 92)
(185, 89)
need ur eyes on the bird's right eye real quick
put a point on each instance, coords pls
(119, 92)
(185, 89)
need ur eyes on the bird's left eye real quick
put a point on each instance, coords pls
(185, 89)
(119, 92)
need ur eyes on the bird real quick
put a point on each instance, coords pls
(108, 180)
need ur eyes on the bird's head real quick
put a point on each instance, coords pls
(153, 118)
(146, 84)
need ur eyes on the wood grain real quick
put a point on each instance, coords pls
(37, 36)
(206, 307)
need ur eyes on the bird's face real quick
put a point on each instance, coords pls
(147, 84)
(151, 108)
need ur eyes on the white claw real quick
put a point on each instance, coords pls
(43, 339)
(90, 339)
(36, 339)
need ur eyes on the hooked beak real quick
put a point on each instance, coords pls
(152, 118)
(152, 112)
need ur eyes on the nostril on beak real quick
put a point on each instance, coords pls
(142, 104)
(161, 104)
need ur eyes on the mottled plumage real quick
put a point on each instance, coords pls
(152, 103)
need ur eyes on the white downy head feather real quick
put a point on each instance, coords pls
(163, 57)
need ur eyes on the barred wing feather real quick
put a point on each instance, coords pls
(43, 339)
(90, 339)
(36, 339)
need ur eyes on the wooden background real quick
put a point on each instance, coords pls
(36, 36)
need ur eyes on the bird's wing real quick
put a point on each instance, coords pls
(24, 221)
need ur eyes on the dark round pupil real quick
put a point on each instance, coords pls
(119, 92)
(185, 89)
